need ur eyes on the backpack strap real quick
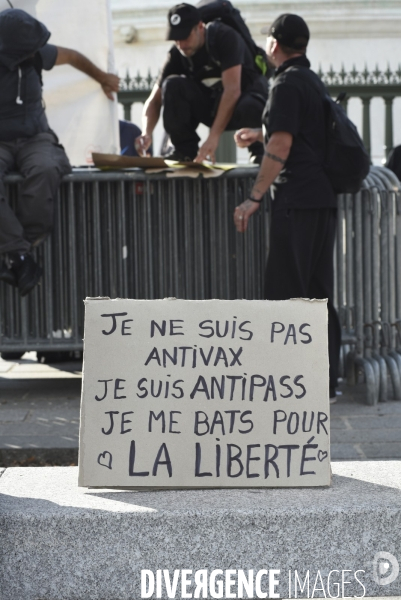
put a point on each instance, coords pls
(210, 34)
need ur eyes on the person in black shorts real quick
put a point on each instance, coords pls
(209, 77)
(304, 205)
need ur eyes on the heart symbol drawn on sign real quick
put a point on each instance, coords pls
(322, 455)
(107, 461)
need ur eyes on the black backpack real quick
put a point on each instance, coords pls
(347, 162)
(224, 11)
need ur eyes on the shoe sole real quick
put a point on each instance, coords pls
(28, 287)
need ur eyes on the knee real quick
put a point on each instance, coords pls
(173, 85)
(47, 171)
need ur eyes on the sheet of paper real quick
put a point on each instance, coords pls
(216, 393)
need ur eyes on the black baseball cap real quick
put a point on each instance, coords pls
(289, 30)
(182, 18)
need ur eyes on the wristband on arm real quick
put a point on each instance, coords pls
(254, 199)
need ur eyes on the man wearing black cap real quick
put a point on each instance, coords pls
(303, 224)
(209, 77)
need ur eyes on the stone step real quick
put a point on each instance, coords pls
(61, 542)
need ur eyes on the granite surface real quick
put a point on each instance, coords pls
(61, 542)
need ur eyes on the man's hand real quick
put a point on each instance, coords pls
(142, 143)
(246, 136)
(110, 83)
(242, 214)
(208, 149)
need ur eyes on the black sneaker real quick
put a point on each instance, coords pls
(27, 272)
(177, 156)
(7, 275)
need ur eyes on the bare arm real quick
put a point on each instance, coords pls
(108, 81)
(231, 79)
(276, 154)
(150, 117)
(246, 136)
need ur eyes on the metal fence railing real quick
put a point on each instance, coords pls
(128, 234)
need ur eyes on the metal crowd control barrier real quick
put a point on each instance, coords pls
(127, 234)
(368, 259)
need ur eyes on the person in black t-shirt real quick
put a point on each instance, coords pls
(209, 77)
(27, 144)
(303, 224)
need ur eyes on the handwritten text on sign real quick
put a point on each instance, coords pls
(213, 393)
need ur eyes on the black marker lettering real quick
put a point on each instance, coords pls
(114, 321)
(161, 416)
(117, 389)
(105, 381)
(236, 355)
(174, 327)
(125, 327)
(124, 421)
(131, 471)
(110, 413)
(167, 461)
(172, 422)
(235, 458)
(271, 461)
(274, 330)
(301, 331)
(243, 330)
(198, 458)
(249, 458)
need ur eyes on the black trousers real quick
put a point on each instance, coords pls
(300, 265)
(188, 103)
(42, 162)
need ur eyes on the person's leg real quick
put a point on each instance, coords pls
(300, 264)
(11, 231)
(287, 272)
(42, 163)
(185, 105)
(322, 286)
(248, 113)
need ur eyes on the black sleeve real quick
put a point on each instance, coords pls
(172, 66)
(228, 48)
(47, 56)
(284, 109)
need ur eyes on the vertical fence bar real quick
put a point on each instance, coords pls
(366, 122)
(388, 140)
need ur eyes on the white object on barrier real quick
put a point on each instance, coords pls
(83, 118)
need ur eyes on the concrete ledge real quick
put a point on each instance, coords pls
(60, 542)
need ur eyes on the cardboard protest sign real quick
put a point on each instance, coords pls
(215, 393)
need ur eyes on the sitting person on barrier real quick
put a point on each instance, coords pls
(209, 77)
(303, 214)
(27, 144)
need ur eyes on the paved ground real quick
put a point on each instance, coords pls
(39, 417)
